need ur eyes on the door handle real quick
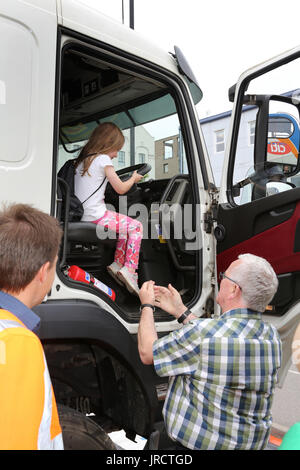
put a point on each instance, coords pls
(278, 214)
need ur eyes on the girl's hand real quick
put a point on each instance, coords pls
(136, 176)
(169, 300)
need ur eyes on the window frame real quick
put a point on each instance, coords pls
(122, 154)
(251, 134)
(167, 144)
(221, 142)
(143, 159)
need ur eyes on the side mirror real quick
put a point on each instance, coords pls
(231, 93)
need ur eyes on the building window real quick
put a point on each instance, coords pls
(166, 167)
(121, 157)
(168, 149)
(141, 158)
(251, 132)
(220, 140)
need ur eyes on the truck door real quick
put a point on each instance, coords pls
(259, 208)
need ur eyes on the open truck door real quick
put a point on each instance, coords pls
(259, 210)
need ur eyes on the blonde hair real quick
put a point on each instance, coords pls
(105, 138)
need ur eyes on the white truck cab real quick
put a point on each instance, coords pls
(64, 69)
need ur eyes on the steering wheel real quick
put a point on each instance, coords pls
(124, 174)
(142, 169)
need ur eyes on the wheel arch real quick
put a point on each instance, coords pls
(83, 329)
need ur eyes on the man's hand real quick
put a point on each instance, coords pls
(147, 293)
(169, 300)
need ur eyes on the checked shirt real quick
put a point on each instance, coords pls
(222, 373)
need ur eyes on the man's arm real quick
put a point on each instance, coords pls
(169, 300)
(147, 331)
(146, 335)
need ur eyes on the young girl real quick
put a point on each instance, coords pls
(93, 165)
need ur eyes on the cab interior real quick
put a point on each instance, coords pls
(95, 90)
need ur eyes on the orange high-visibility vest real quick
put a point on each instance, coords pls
(28, 412)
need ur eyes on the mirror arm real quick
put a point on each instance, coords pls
(261, 133)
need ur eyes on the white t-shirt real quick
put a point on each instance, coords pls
(84, 186)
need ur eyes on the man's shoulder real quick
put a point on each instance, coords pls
(11, 324)
(206, 327)
(230, 323)
(9, 303)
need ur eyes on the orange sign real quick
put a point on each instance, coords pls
(278, 148)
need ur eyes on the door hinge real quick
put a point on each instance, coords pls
(209, 218)
(211, 215)
(208, 222)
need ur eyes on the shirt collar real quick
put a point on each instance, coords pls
(242, 313)
(20, 310)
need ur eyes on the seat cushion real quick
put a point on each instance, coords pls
(90, 233)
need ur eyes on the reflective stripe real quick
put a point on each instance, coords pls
(38, 398)
(57, 442)
(4, 325)
(44, 437)
(9, 324)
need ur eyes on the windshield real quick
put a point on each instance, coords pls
(94, 91)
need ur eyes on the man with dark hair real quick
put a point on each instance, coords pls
(29, 244)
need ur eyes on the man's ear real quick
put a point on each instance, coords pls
(234, 291)
(42, 273)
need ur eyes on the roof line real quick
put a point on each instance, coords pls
(225, 114)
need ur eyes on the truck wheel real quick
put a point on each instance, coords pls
(82, 433)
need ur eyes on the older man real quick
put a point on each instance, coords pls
(222, 370)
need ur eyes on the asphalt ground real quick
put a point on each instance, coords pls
(286, 404)
(285, 410)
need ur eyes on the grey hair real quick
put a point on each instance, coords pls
(257, 279)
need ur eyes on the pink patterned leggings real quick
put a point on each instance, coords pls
(129, 240)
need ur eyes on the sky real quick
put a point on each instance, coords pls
(220, 39)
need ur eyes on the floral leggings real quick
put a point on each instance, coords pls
(129, 240)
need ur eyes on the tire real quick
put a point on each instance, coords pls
(81, 433)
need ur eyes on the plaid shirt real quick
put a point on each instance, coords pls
(222, 377)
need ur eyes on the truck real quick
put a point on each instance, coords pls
(65, 68)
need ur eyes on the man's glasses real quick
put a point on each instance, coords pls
(223, 275)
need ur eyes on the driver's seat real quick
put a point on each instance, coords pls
(84, 243)
(82, 232)
(88, 247)
(88, 232)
